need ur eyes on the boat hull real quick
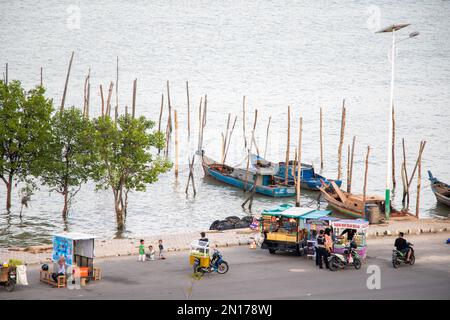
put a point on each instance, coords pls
(441, 198)
(265, 190)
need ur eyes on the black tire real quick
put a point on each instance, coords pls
(272, 251)
(196, 268)
(222, 268)
(395, 262)
(357, 263)
(412, 259)
(334, 264)
(10, 285)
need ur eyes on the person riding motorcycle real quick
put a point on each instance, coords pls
(402, 245)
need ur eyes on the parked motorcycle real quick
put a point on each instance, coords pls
(217, 264)
(341, 261)
(8, 277)
(399, 257)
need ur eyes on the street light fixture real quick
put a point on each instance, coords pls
(393, 28)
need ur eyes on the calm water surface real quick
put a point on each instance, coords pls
(278, 53)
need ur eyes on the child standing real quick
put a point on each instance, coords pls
(141, 251)
(161, 249)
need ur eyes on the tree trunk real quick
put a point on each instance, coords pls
(120, 211)
(9, 185)
(66, 203)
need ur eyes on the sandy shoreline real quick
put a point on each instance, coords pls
(181, 241)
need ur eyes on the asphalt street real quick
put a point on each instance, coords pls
(256, 274)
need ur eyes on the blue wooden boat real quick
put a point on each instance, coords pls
(309, 178)
(440, 189)
(264, 178)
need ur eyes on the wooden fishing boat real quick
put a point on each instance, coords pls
(353, 205)
(309, 179)
(266, 183)
(440, 189)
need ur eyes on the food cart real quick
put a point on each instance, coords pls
(77, 249)
(200, 250)
(313, 222)
(359, 227)
(282, 230)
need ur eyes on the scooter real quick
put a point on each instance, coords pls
(217, 264)
(8, 275)
(341, 261)
(398, 257)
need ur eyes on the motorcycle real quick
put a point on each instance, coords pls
(399, 257)
(341, 261)
(217, 264)
(8, 278)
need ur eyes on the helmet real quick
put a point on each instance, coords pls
(44, 267)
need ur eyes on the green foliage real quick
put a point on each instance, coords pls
(69, 153)
(24, 131)
(126, 162)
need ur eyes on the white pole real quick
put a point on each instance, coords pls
(389, 145)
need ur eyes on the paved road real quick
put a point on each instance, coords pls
(255, 274)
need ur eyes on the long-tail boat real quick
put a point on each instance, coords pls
(309, 179)
(264, 177)
(440, 189)
(353, 204)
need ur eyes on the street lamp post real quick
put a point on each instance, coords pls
(392, 29)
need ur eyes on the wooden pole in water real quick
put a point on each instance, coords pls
(108, 101)
(191, 175)
(116, 113)
(188, 111)
(103, 101)
(422, 147)
(394, 182)
(41, 78)
(286, 169)
(133, 106)
(267, 137)
(88, 94)
(405, 173)
(321, 139)
(243, 121)
(176, 141)
(253, 139)
(246, 170)
(169, 121)
(160, 116)
(299, 170)
(67, 81)
(365, 179)
(341, 140)
(6, 74)
(199, 123)
(348, 168)
(351, 164)
(229, 140)
(419, 177)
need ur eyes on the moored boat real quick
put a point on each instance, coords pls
(440, 189)
(310, 180)
(266, 183)
(353, 204)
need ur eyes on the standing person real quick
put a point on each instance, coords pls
(328, 246)
(321, 251)
(203, 237)
(161, 249)
(141, 251)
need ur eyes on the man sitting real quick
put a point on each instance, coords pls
(61, 269)
(402, 245)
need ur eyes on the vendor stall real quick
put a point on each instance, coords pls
(346, 231)
(282, 229)
(77, 251)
